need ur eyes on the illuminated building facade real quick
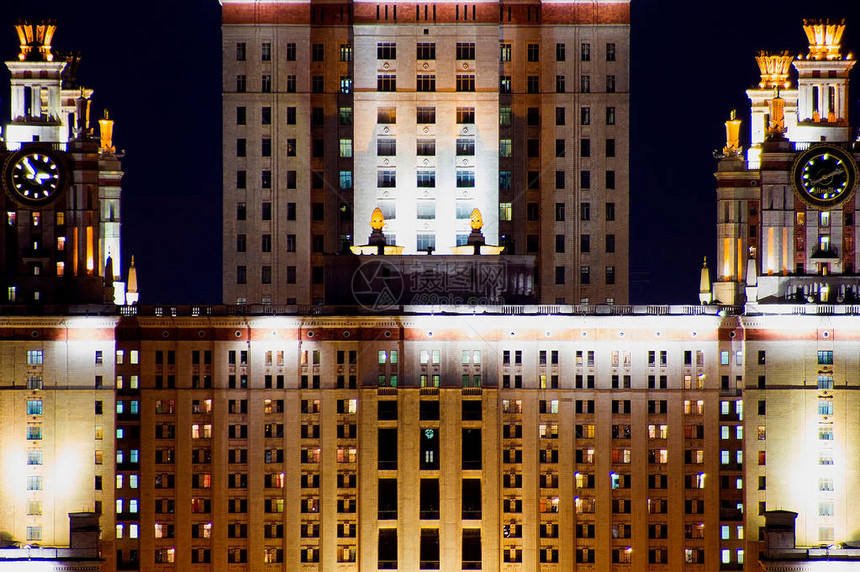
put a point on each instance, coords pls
(56, 429)
(61, 185)
(425, 111)
(551, 437)
(786, 211)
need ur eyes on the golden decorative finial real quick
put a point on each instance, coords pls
(106, 133)
(35, 40)
(476, 220)
(774, 68)
(824, 38)
(776, 126)
(733, 130)
(377, 221)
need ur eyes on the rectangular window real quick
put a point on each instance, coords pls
(533, 52)
(291, 52)
(386, 82)
(585, 116)
(386, 178)
(465, 147)
(585, 52)
(559, 52)
(505, 52)
(425, 147)
(610, 52)
(610, 84)
(425, 82)
(386, 51)
(465, 50)
(387, 115)
(426, 51)
(465, 179)
(426, 178)
(424, 115)
(465, 82)
(465, 115)
(346, 52)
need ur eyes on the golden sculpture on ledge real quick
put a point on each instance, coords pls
(733, 129)
(377, 221)
(774, 69)
(35, 40)
(824, 37)
(106, 134)
(776, 124)
(476, 221)
(376, 243)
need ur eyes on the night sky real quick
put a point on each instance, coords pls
(156, 67)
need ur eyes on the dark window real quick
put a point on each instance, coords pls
(471, 499)
(266, 211)
(584, 243)
(241, 115)
(585, 179)
(429, 549)
(585, 147)
(610, 211)
(387, 449)
(472, 548)
(559, 212)
(387, 499)
(533, 116)
(471, 449)
(610, 243)
(559, 52)
(585, 211)
(559, 243)
(317, 52)
(559, 275)
(241, 147)
(429, 499)
(559, 115)
(559, 147)
(387, 548)
(533, 52)
(610, 147)
(532, 211)
(291, 52)
(291, 211)
(610, 179)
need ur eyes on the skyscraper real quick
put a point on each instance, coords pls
(425, 111)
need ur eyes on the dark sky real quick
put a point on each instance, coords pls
(156, 66)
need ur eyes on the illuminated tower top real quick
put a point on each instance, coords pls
(824, 38)
(42, 102)
(35, 40)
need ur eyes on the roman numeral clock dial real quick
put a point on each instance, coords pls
(824, 176)
(34, 177)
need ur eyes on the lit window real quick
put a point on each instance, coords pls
(34, 483)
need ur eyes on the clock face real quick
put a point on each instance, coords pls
(824, 176)
(34, 177)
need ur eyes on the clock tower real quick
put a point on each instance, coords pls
(786, 210)
(60, 194)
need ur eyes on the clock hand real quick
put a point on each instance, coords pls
(832, 173)
(30, 168)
